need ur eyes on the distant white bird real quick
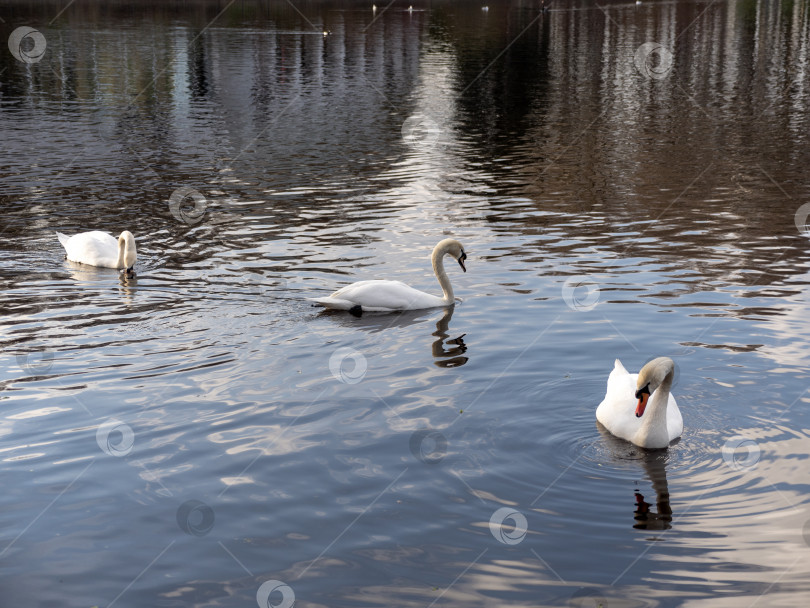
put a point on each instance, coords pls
(485, 8)
(389, 296)
(98, 248)
(663, 421)
(410, 9)
(373, 8)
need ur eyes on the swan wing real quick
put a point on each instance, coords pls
(95, 248)
(385, 296)
(617, 410)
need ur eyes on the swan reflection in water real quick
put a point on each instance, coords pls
(452, 356)
(654, 463)
(88, 277)
(447, 352)
(661, 519)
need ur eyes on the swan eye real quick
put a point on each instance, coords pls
(643, 391)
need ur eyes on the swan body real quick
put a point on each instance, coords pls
(98, 248)
(389, 296)
(639, 407)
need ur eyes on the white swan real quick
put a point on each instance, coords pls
(389, 296)
(98, 248)
(655, 420)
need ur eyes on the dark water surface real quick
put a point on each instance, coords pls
(184, 437)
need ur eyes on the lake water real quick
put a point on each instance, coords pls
(201, 435)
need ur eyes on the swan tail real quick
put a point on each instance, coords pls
(335, 303)
(617, 366)
(63, 238)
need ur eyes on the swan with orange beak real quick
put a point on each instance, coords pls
(651, 419)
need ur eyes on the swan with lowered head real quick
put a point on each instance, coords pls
(98, 248)
(389, 296)
(655, 420)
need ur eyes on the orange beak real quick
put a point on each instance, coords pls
(642, 403)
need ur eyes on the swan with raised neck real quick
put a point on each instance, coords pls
(389, 296)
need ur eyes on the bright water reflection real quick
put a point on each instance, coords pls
(186, 436)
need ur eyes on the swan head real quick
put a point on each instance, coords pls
(451, 247)
(126, 244)
(650, 378)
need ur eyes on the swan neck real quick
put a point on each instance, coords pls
(666, 383)
(659, 400)
(658, 405)
(438, 267)
(121, 254)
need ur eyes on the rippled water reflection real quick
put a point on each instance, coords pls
(186, 437)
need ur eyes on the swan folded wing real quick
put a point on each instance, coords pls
(385, 296)
(96, 248)
(618, 368)
(617, 410)
(621, 385)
